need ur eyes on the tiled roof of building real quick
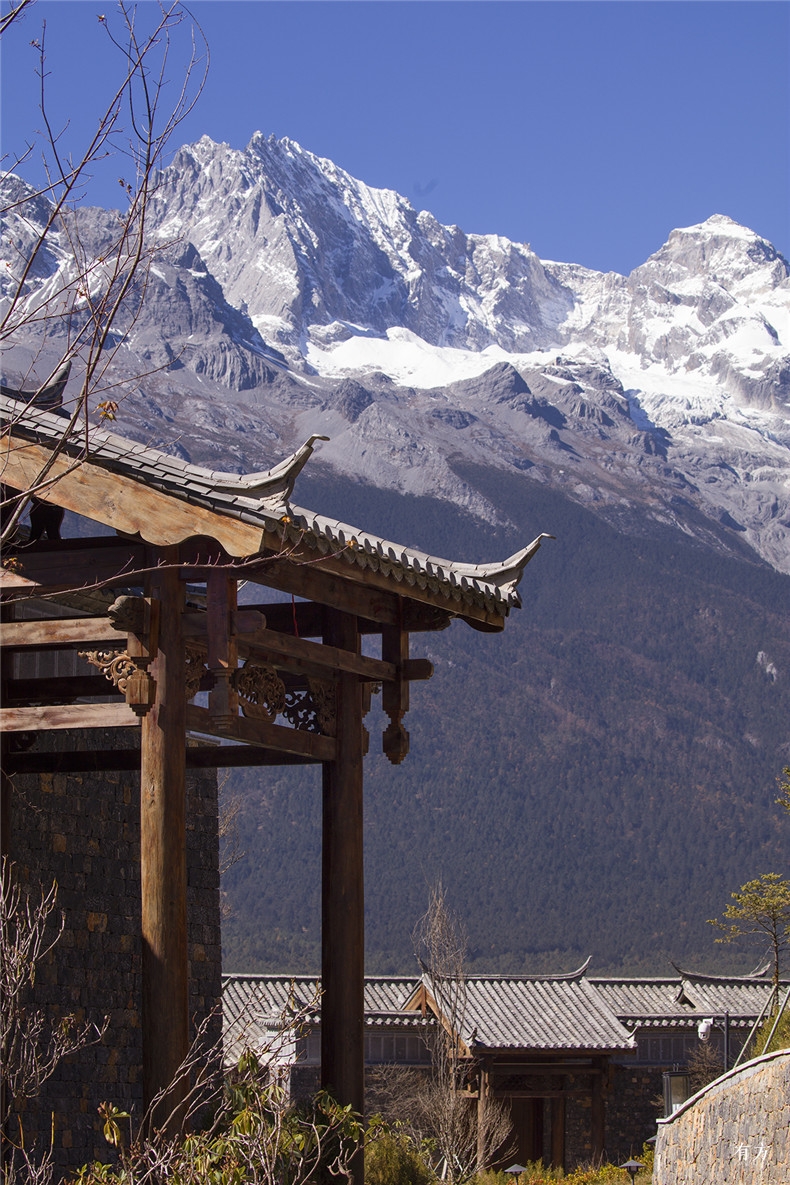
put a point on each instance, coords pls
(256, 1008)
(263, 499)
(659, 1003)
(540, 1012)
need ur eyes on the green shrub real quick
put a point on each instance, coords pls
(392, 1158)
(606, 1174)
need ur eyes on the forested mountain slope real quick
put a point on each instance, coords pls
(595, 780)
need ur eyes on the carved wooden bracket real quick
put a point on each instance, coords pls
(127, 674)
(312, 708)
(260, 689)
(196, 673)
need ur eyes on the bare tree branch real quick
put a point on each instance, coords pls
(467, 1133)
(32, 1042)
(64, 290)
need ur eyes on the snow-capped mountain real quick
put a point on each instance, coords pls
(290, 298)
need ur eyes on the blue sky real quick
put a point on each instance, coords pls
(589, 129)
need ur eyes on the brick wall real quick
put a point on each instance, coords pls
(82, 830)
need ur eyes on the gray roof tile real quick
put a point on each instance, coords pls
(254, 1006)
(657, 1002)
(528, 1013)
(263, 500)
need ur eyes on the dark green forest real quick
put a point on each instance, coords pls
(596, 780)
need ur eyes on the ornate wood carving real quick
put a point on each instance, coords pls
(260, 689)
(127, 674)
(395, 697)
(312, 708)
(128, 614)
(115, 665)
(324, 697)
(194, 669)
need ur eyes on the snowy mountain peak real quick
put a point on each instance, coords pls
(719, 251)
(299, 300)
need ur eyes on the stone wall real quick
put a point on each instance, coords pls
(734, 1132)
(634, 1102)
(82, 831)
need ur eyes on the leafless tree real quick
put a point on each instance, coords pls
(70, 294)
(468, 1132)
(32, 1042)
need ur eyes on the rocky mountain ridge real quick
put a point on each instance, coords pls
(290, 298)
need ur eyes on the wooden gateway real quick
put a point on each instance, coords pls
(285, 682)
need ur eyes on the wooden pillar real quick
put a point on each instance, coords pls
(558, 1129)
(598, 1116)
(342, 903)
(6, 672)
(222, 655)
(536, 1129)
(163, 877)
(483, 1093)
(395, 694)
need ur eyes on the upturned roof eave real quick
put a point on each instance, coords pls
(492, 587)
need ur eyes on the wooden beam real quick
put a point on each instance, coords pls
(309, 615)
(560, 1066)
(102, 760)
(163, 875)
(311, 657)
(311, 745)
(71, 564)
(305, 657)
(540, 1093)
(58, 689)
(233, 756)
(342, 898)
(127, 505)
(300, 619)
(222, 651)
(61, 631)
(331, 581)
(61, 716)
(288, 652)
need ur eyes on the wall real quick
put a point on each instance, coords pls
(734, 1132)
(82, 830)
(634, 1101)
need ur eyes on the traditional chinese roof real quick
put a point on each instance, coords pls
(533, 1013)
(263, 499)
(506, 1014)
(256, 1008)
(685, 999)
